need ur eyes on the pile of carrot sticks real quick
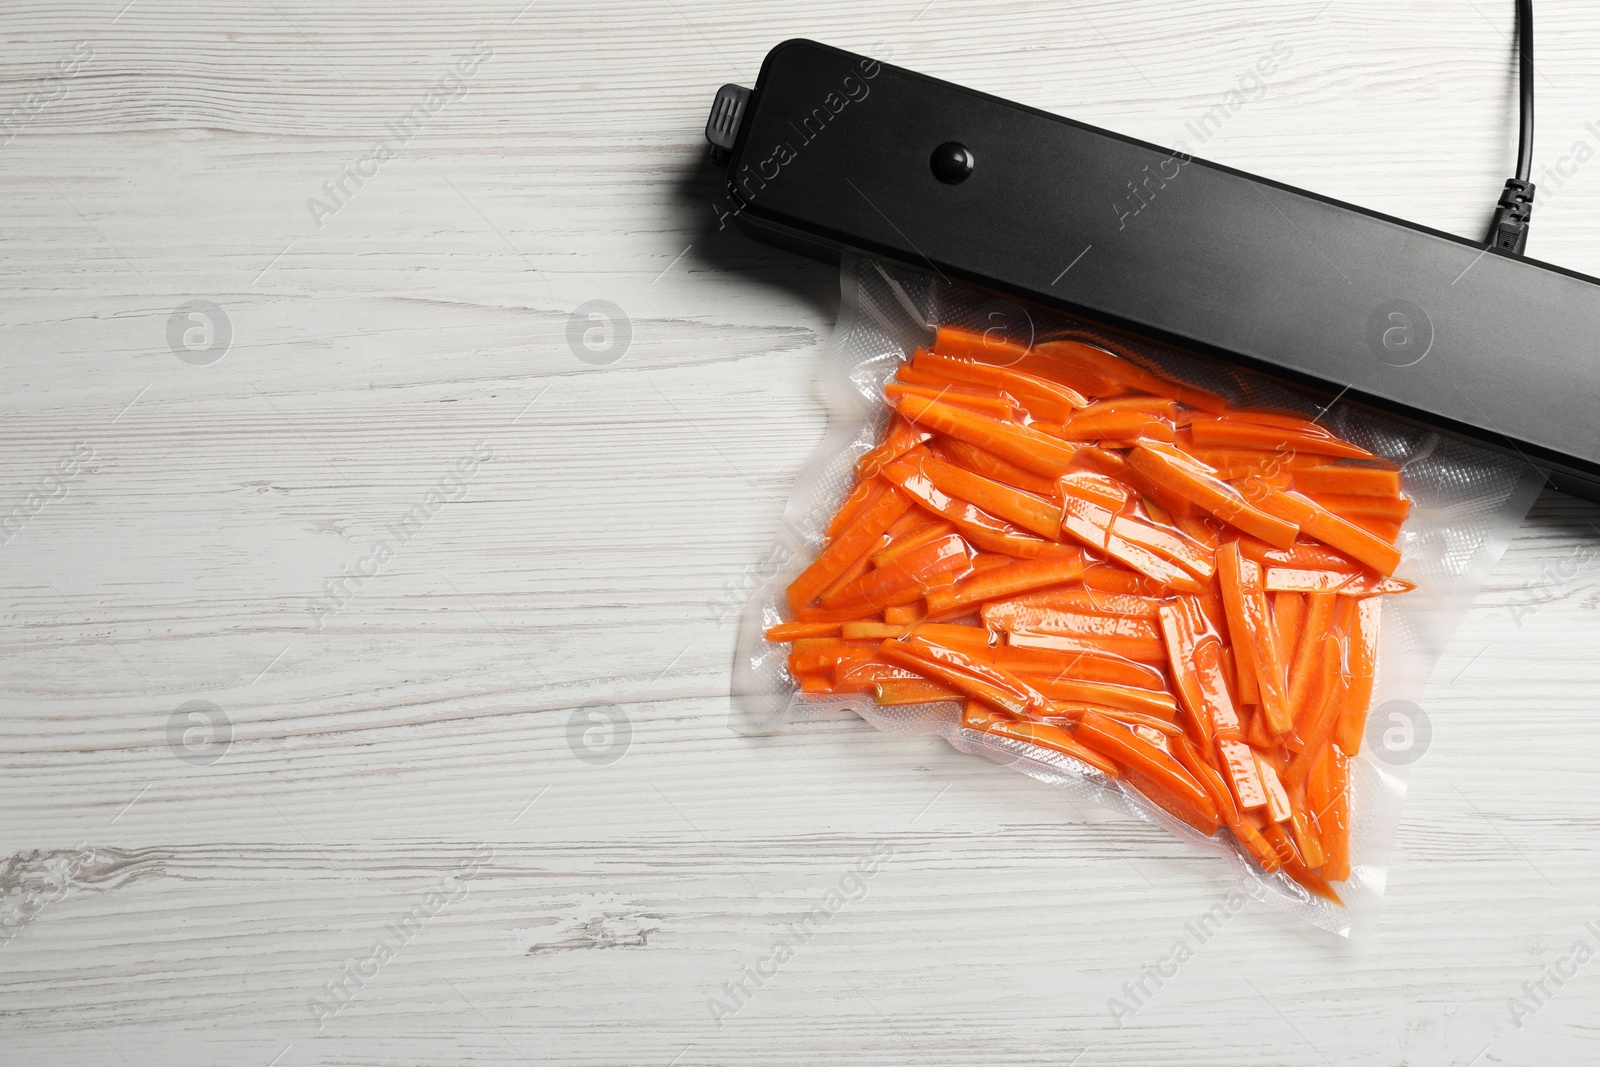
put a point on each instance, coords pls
(1121, 569)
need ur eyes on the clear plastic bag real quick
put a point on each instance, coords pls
(1466, 505)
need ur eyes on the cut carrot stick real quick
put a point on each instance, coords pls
(1120, 425)
(908, 577)
(1328, 792)
(852, 541)
(1304, 828)
(966, 674)
(1243, 774)
(1312, 654)
(1021, 445)
(989, 346)
(1194, 650)
(984, 402)
(1004, 582)
(793, 631)
(1056, 739)
(1318, 730)
(1091, 353)
(964, 637)
(1367, 481)
(861, 494)
(1356, 508)
(1278, 809)
(1103, 461)
(901, 438)
(1156, 773)
(993, 467)
(1288, 618)
(905, 613)
(1213, 494)
(1363, 662)
(897, 691)
(1035, 514)
(1078, 665)
(1142, 649)
(985, 531)
(1317, 521)
(1044, 398)
(1010, 616)
(1208, 776)
(1228, 432)
(922, 529)
(1084, 600)
(1112, 579)
(1238, 604)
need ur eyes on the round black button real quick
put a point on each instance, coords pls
(952, 162)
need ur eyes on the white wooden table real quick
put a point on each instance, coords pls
(387, 834)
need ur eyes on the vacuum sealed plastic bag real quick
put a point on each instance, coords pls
(1179, 589)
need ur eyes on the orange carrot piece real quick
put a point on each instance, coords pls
(1256, 638)
(1208, 776)
(907, 578)
(1367, 481)
(1288, 618)
(1158, 775)
(1363, 662)
(897, 691)
(791, 631)
(966, 674)
(821, 653)
(1231, 432)
(1042, 397)
(1092, 352)
(1264, 462)
(1109, 578)
(1318, 731)
(1032, 513)
(905, 613)
(1020, 444)
(1356, 508)
(996, 469)
(985, 531)
(1278, 808)
(1115, 698)
(861, 494)
(1194, 650)
(1103, 461)
(1005, 581)
(1296, 580)
(1311, 656)
(984, 402)
(1213, 494)
(1078, 665)
(1317, 521)
(815, 682)
(988, 346)
(1243, 774)
(1052, 737)
(1142, 649)
(1304, 828)
(846, 548)
(920, 529)
(1118, 425)
(1232, 578)
(1328, 793)
(901, 438)
(1088, 601)
(964, 637)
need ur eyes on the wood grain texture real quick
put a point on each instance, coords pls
(405, 775)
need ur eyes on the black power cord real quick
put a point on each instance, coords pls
(1509, 230)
